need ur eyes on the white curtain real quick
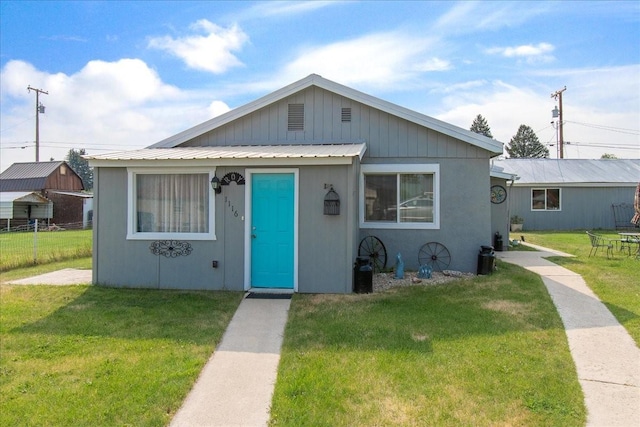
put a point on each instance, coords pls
(172, 203)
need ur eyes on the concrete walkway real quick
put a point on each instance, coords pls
(607, 359)
(236, 385)
(66, 276)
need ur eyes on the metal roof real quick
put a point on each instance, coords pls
(23, 196)
(465, 135)
(573, 172)
(28, 176)
(316, 153)
(30, 170)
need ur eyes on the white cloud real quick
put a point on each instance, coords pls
(375, 60)
(105, 106)
(469, 17)
(209, 52)
(532, 53)
(285, 8)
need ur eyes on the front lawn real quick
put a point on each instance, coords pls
(484, 351)
(91, 356)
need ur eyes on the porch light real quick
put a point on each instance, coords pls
(331, 202)
(215, 185)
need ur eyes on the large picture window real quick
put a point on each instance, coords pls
(545, 199)
(170, 205)
(399, 196)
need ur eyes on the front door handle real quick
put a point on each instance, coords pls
(253, 236)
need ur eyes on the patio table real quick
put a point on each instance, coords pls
(628, 239)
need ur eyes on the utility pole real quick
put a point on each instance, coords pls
(39, 110)
(557, 95)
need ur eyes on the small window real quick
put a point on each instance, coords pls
(296, 117)
(170, 205)
(346, 115)
(399, 196)
(545, 199)
(63, 170)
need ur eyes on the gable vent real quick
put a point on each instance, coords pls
(296, 117)
(346, 115)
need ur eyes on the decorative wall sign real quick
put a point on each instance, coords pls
(171, 248)
(498, 194)
(232, 177)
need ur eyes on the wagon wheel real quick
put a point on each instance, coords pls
(373, 247)
(435, 255)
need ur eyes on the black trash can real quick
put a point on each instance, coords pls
(362, 275)
(486, 260)
(497, 242)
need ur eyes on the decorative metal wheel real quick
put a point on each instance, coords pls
(373, 247)
(435, 255)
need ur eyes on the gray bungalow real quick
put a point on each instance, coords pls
(301, 177)
(570, 194)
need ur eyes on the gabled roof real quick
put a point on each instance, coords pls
(27, 176)
(318, 81)
(573, 172)
(30, 170)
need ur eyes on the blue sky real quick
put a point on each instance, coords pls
(124, 75)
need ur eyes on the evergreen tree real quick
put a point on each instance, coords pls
(81, 167)
(481, 126)
(525, 144)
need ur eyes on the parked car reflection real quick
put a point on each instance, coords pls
(416, 209)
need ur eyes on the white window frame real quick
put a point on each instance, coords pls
(546, 209)
(132, 234)
(379, 169)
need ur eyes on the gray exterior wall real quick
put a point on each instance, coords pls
(500, 214)
(582, 208)
(327, 245)
(465, 218)
(387, 136)
(325, 249)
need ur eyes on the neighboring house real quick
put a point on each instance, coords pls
(306, 173)
(570, 194)
(56, 182)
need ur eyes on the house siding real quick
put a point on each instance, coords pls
(582, 208)
(325, 247)
(387, 136)
(465, 218)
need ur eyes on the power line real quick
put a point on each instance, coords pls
(608, 128)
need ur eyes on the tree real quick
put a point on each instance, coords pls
(81, 166)
(525, 144)
(608, 156)
(481, 126)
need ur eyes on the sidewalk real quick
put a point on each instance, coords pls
(607, 359)
(236, 385)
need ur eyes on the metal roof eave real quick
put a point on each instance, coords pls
(232, 156)
(472, 138)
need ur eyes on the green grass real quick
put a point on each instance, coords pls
(615, 281)
(486, 351)
(91, 356)
(17, 248)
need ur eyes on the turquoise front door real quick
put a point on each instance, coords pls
(272, 230)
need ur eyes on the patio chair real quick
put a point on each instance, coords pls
(599, 242)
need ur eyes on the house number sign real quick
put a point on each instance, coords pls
(229, 205)
(232, 177)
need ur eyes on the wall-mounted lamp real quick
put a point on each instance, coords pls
(331, 201)
(215, 185)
